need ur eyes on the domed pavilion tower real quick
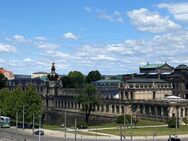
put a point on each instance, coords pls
(53, 85)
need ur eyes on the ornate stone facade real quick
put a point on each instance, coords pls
(145, 98)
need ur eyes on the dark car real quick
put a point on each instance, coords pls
(174, 139)
(37, 132)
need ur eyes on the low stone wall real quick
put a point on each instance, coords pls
(57, 117)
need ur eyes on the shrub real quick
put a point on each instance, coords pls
(82, 125)
(120, 119)
(172, 123)
(185, 120)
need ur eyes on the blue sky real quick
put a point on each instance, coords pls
(114, 37)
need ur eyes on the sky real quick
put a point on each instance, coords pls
(112, 36)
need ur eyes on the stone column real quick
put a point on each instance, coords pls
(100, 108)
(144, 110)
(149, 111)
(162, 111)
(104, 108)
(110, 109)
(156, 113)
(115, 109)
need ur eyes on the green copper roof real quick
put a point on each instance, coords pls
(149, 66)
(109, 81)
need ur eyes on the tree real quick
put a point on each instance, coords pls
(172, 122)
(88, 98)
(32, 103)
(185, 120)
(66, 82)
(93, 76)
(11, 102)
(3, 80)
(77, 79)
(120, 119)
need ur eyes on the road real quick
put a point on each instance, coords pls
(21, 135)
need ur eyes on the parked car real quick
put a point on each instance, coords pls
(37, 132)
(174, 139)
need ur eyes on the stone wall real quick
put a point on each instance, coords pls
(57, 117)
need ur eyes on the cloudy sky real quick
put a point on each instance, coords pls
(114, 37)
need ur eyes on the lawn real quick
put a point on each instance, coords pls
(140, 123)
(149, 123)
(147, 131)
(103, 125)
(51, 127)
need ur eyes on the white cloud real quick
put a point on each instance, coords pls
(87, 9)
(179, 10)
(48, 46)
(2, 61)
(28, 60)
(115, 17)
(58, 54)
(21, 39)
(7, 48)
(70, 36)
(152, 22)
(102, 57)
(40, 38)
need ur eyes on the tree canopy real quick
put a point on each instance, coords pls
(13, 101)
(66, 81)
(2, 81)
(75, 79)
(93, 76)
(88, 99)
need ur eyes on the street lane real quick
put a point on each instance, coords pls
(21, 135)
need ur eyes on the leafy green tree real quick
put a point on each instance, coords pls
(185, 120)
(11, 102)
(32, 103)
(66, 81)
(88, 98)
(3, 94)
(172, 123)
(93, 76)
(3, 80)
(120, 119)
(77, 79)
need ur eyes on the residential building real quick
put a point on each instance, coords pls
(8, 74)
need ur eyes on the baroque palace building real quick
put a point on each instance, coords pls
(144, 97)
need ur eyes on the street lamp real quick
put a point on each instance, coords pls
(39, 126)
(23, 116)
(65, 123)
(16, 124)
(177, 115)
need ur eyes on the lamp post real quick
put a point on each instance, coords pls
(33, 123)
(23, 117)
(177, 115)
(39, 126)
(124, 124)
(75, 122)
(17, 124)
(65, 123)
(0, 121)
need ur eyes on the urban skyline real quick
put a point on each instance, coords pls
(114, 37)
